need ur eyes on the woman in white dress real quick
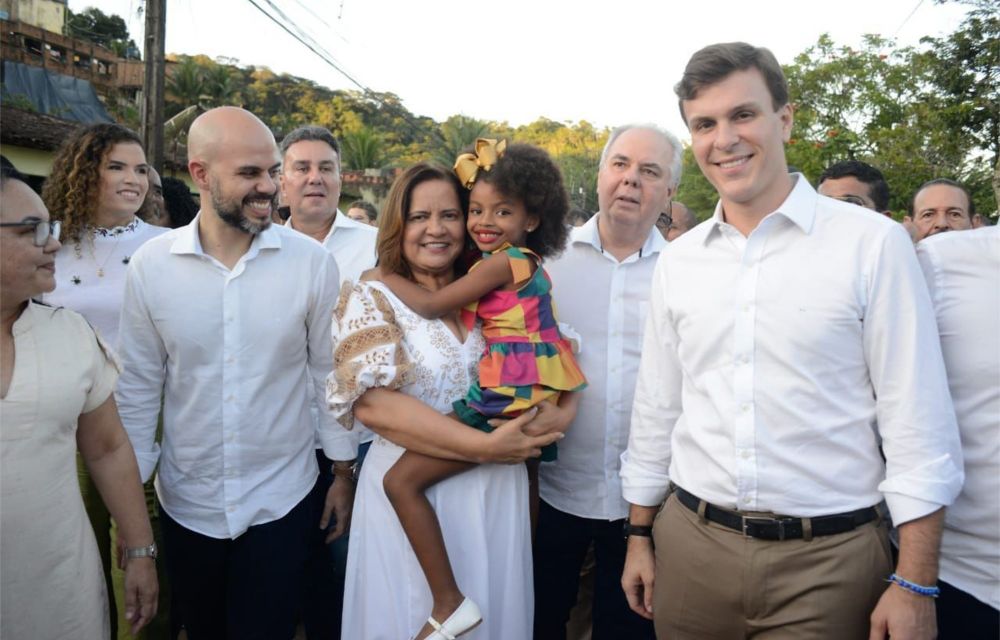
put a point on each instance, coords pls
(98, 182)
(399, 373)
(55, 396)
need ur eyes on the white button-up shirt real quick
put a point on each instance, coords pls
(351, 243)
(963, 274)
(605, 301)
(772, 364)
(234, 353)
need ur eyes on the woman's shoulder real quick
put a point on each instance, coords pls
(59, 323)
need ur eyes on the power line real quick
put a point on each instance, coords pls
(325, 56)
(907, 19)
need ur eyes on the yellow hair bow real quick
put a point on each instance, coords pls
(488, 151)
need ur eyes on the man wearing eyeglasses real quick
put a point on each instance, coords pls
(856, 182)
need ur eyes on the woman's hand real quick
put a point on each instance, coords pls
(141, 592)
(551, 418)
(509, 444)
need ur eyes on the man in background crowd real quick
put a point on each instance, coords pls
(941, 205)
(856, 182)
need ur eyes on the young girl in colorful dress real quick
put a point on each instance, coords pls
(517, 211)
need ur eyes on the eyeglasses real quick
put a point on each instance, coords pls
(44, 229)
(666, 218)
(852, 199)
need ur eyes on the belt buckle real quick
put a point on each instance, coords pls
(748, 520)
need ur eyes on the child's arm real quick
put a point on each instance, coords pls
(492, 273)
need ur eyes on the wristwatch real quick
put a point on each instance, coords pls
(348, 470)
(141, 552)
(644, 531)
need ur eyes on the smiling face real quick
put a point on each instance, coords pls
(243, 183)
(25, 270)
(124, 180)
(634, 185)
(310, 181)
(940, 207)
(738, 140)
(433, 231)
(495, 218)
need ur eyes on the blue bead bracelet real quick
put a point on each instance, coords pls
(920, 590)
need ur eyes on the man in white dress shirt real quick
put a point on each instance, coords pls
(941, 205)
(963, 275)
(787, 336)
(310, 187)
(210, 322)
(601, 288)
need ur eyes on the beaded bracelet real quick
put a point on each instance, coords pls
(920, 590)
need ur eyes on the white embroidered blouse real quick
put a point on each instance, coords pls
(379, 342)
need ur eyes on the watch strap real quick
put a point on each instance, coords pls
(645, 531)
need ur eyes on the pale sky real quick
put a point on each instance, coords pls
(608, 62)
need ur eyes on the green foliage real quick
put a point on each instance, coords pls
(914, 114)
(362, 149)
(20, 101)
(94, 25)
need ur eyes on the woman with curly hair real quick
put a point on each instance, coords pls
(517, 217)
(98, 182)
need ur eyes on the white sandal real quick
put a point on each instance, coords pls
(463, 620)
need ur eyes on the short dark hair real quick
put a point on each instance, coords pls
(715, 62)
(527, 173)
(9, 172)
(178, 202)
(309, 132)
(947, 182)
(878, 188)
(367, 206)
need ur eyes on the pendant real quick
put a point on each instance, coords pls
(100, 272)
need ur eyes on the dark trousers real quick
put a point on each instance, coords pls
(249, 588)
(326, 568)
(561, 542)
(962, 617)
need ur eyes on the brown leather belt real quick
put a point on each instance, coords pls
(778, 527)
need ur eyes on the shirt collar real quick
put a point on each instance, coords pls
(188, 240)
(340, 221)
(589, 233)
(799, 207)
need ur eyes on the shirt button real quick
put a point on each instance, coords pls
(230, 508)
(745, 407)
(744, 454)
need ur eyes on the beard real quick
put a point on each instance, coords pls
(230, 211)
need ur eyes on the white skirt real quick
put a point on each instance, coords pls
(484, 517)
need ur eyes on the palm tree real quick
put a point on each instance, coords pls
(186, 84)
(457, 133)
(362, 149)
(220, 86)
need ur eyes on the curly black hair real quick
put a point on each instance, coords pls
(528, 174)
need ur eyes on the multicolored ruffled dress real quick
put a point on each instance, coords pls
(526, 359)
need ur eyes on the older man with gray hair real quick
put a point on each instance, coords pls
(602, 288)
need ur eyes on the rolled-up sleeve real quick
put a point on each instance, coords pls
(915, 416)
(656, 406)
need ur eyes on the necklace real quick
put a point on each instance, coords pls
(92, 234)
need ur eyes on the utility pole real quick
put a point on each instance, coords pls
(152, 90)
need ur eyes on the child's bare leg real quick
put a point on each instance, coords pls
(404, 484)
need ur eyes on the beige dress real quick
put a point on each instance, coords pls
(51, 584)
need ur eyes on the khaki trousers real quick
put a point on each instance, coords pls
(712, 583)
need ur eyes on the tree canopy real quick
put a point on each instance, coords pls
(916, 113)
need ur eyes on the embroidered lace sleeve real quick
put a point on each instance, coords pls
(367, 349)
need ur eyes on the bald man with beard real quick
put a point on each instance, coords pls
(210, 322)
